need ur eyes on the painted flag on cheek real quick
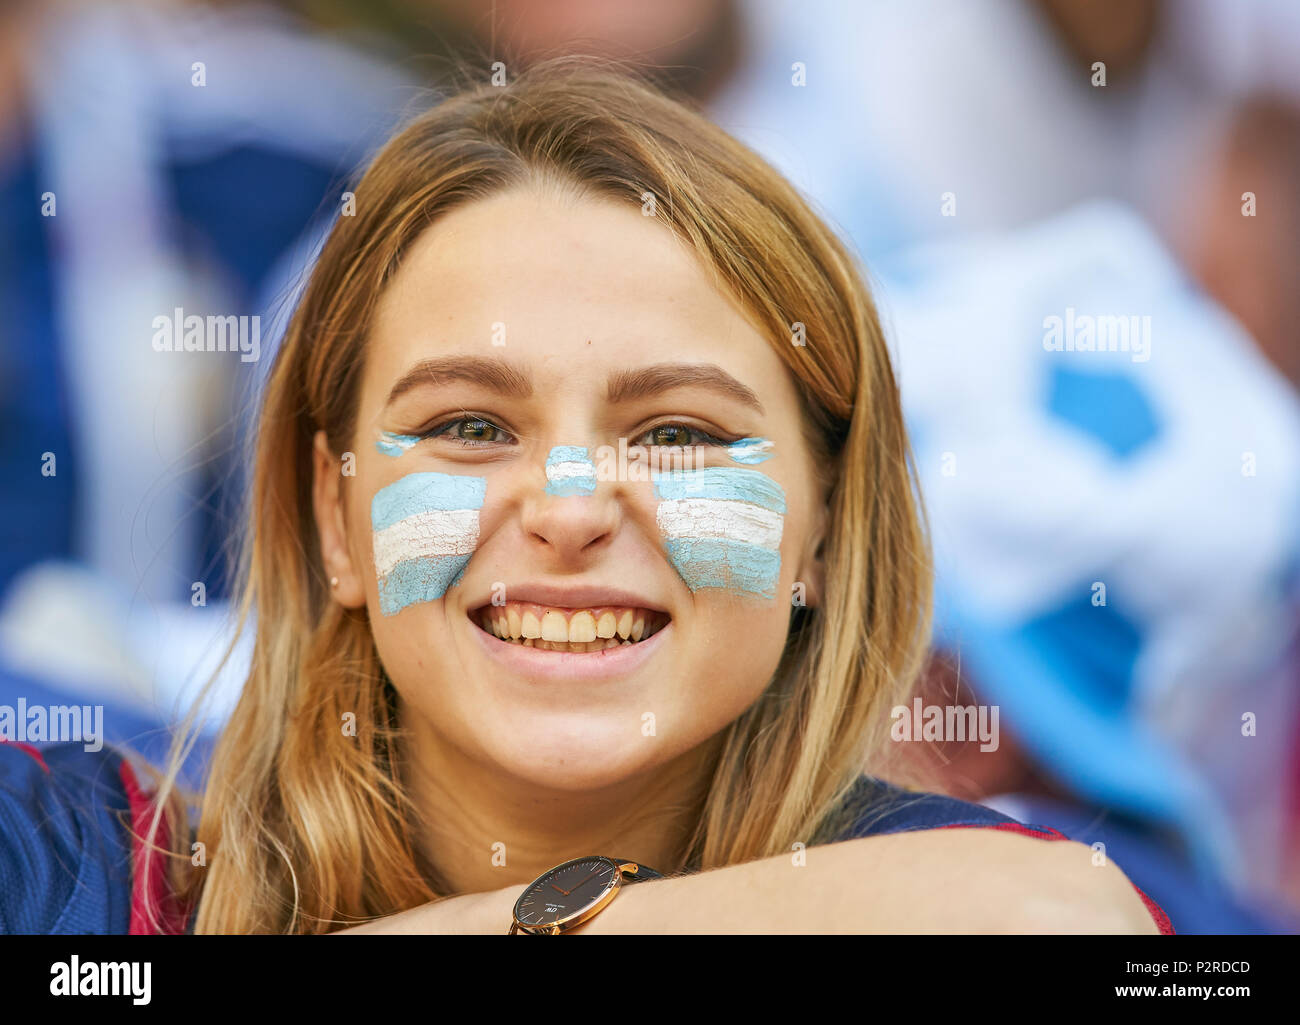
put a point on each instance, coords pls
(722, 528)
(425, 530)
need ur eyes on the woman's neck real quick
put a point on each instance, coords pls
(481, 829)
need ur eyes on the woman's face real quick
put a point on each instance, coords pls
(524, 340)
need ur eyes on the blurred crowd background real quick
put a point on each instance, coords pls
(1116, 532)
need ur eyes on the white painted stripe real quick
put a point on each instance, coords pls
(720, 517)
(567, 471)
(433, 532)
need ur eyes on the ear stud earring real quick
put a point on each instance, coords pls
(334, 581)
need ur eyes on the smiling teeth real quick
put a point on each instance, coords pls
(582, 628)
(554, 628)
(570, 630)
(578, 647)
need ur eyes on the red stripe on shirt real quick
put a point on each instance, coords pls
(1157, 913)
(149, 887)
(33, 751)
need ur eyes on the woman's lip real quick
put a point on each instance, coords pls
(583, 597)
(540, 664)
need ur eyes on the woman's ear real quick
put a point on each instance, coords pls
(810, 579)
(331, 526)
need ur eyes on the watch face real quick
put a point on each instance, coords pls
(565, 891)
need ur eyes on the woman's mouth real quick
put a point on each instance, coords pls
(571, 630)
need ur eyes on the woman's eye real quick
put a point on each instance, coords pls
(470, 430)
(674, 435)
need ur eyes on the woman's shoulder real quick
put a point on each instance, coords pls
(67, 855)
(880, 807)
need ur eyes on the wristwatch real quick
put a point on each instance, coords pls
(563, 897)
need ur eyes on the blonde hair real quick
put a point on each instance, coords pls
(307, 831)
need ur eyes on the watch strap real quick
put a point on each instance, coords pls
(643, 871)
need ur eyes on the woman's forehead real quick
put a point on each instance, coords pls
(561, 288)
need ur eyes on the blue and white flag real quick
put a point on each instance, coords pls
(722, 528)
(425, 530)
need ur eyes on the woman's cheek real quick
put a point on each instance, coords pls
(425, 527)
(722, 527)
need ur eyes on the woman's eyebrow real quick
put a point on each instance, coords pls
(495, 374)
(626, 385)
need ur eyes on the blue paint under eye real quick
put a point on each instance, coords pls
(570, 471)
(750, 450)
(722, 528)
(723, 482)
(420, 492)
(394, 445)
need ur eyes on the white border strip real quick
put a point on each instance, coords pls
(434, 532)
(720, 517)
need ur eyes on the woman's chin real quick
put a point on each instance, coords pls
(592, 763)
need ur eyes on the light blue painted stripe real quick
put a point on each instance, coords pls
(394, 445)
(417, 492)
(567, 454)
(418, 580)
(722, 482)
(572, 486)
(722, 563)
(750, 450)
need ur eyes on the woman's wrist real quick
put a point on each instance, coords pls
(470, 914)
(493, 912)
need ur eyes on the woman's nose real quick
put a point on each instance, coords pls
(570, 512)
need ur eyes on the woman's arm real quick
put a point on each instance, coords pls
(931, 881)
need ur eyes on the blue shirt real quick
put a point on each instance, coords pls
(66, 856)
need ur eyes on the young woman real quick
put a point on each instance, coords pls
(582, 527)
